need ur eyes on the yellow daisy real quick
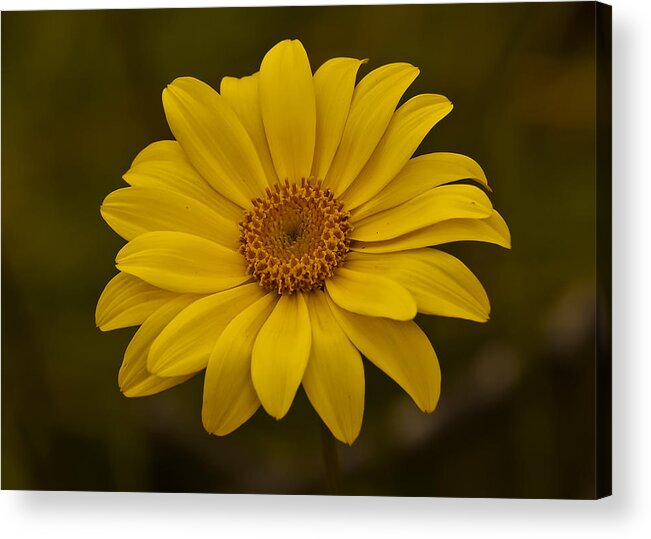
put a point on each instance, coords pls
(286, 232)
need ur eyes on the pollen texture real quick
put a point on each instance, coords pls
(295, 237)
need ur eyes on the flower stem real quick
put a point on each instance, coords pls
(331, 461)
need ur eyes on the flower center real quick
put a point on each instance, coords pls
(295, 237)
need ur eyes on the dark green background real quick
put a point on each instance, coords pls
(81, 95)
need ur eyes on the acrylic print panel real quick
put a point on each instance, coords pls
(359, 250)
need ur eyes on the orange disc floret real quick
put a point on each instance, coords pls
(295, 237)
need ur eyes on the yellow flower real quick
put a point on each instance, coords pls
(285, 233)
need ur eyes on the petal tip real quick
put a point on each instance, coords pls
(277, 415)
(286, 43)
(126, 390)
(429, 407)
(507, 240)
(215, 429)
(276, 409)
(349, 439)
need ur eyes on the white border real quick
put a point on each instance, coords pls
(626, 514)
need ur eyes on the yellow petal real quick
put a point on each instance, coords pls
(181, 262)
(374, 102)
(440, 283)
(288, 109)
(243, 96)
(128, 301)
(369, 294)
(490, 230)
(334, 377)
(421, 174)
(433, 206)
(400, 349)
(135, 210)
(229, 398)
(134, 378)
(280, 354)
(214, 140)
(161, 150)
(164, 165)
(405, 132)
(184, 346)
(334, 83)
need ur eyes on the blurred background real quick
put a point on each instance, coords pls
(81, 95)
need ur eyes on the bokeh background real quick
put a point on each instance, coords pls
(81, 95)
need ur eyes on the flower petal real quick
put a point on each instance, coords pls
(405, 132)
(243, 96)
(370, 294)
(374, 101)
(229, 398)
(280, 354)
(135, 210)
(493, 229)
(334, 83)
(134, 378)
(182, 262)
(184, 346)
(161, 150)
(128, 301)
(422, 174)
(164, 165)
(440, 283)
(334, 377)
(288, 109)
(400, 349)
(439, 204)
(214, 140)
